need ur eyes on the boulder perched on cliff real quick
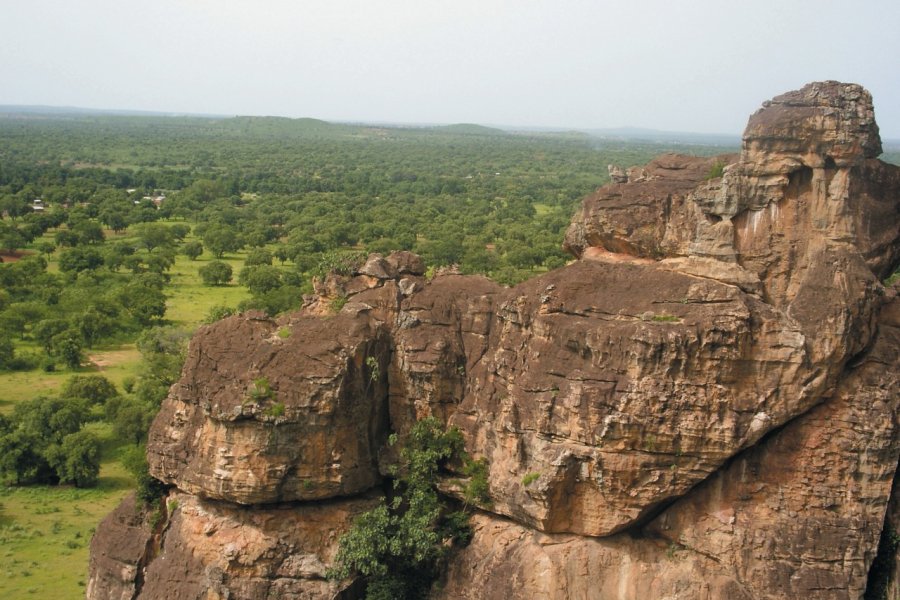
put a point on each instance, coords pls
(704, 405)
(271, 411)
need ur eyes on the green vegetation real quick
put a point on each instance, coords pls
(45, 530)
(337, 303)
(215, 273)
(276, 410)
(397, 547)
(120, 235)
(716, 171)
(665, 319)
(893, 278)
(530, 478)
(261, 389)
(43, 442)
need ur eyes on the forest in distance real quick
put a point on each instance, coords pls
(121, 234)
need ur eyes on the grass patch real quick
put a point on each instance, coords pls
(337, 303)
(530, 478)
(541, 209)
(190, 300)
(716, 171)
(115, 363)
(45, 531)
(665, 319)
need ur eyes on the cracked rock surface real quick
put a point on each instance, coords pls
(703, 405)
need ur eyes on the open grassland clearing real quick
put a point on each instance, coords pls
(45, 530)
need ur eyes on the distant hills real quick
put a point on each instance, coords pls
(317, 126)
(470, 129)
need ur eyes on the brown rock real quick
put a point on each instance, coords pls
(639, 217)
(617, 174)
(406, 263)
(798, 515)
(888, 559)
(218, 550)
(378, 267)
(258, 417)
(622, 400)
(708, 399)
(214, 550)
(119, 552)
(439, 335)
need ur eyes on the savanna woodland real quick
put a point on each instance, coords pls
(121, 235)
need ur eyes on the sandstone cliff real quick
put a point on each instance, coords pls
(703, 405)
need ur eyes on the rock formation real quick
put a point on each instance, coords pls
(703, 405)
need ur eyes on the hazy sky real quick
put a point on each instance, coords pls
(684, 66)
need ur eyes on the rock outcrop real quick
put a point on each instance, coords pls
(703, 405)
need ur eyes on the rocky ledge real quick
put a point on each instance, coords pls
(703, 405)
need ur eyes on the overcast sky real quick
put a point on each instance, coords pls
(699, 66)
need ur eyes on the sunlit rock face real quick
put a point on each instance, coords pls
(702, 405)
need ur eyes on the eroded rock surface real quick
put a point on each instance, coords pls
(276, 411)
(704, 405)
(798, 515)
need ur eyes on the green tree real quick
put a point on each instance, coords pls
(14, 206)
(260, 279)
(11, 238)
(34, 428)
(180, 231)
(161, 261)
(93, 325)
(131, 419)
(144, 301)
(217, 313)
(215, 272)
(96, 389)
(396, 548)
(51, 419)
(192, 250)
(258, 256)
(21, 460)
(114, 254)
(88, 232)
(220, 239)
(163, 351)
(149, 489)
(76, 459)
(67, 238)
(281, 253)
(68, 347)
(78, 259)
(114, 218)
(153, 235)
(7, 353)
(46, 329)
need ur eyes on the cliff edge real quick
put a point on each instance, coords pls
(703, 405)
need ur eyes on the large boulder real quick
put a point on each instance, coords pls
(271, 411)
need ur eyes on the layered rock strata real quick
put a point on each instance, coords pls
(703, 405)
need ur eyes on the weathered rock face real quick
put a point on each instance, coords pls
(624, 399)
(798, 515)
(219, 550)
(705, 405)
(119, 552)
(276, 411)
